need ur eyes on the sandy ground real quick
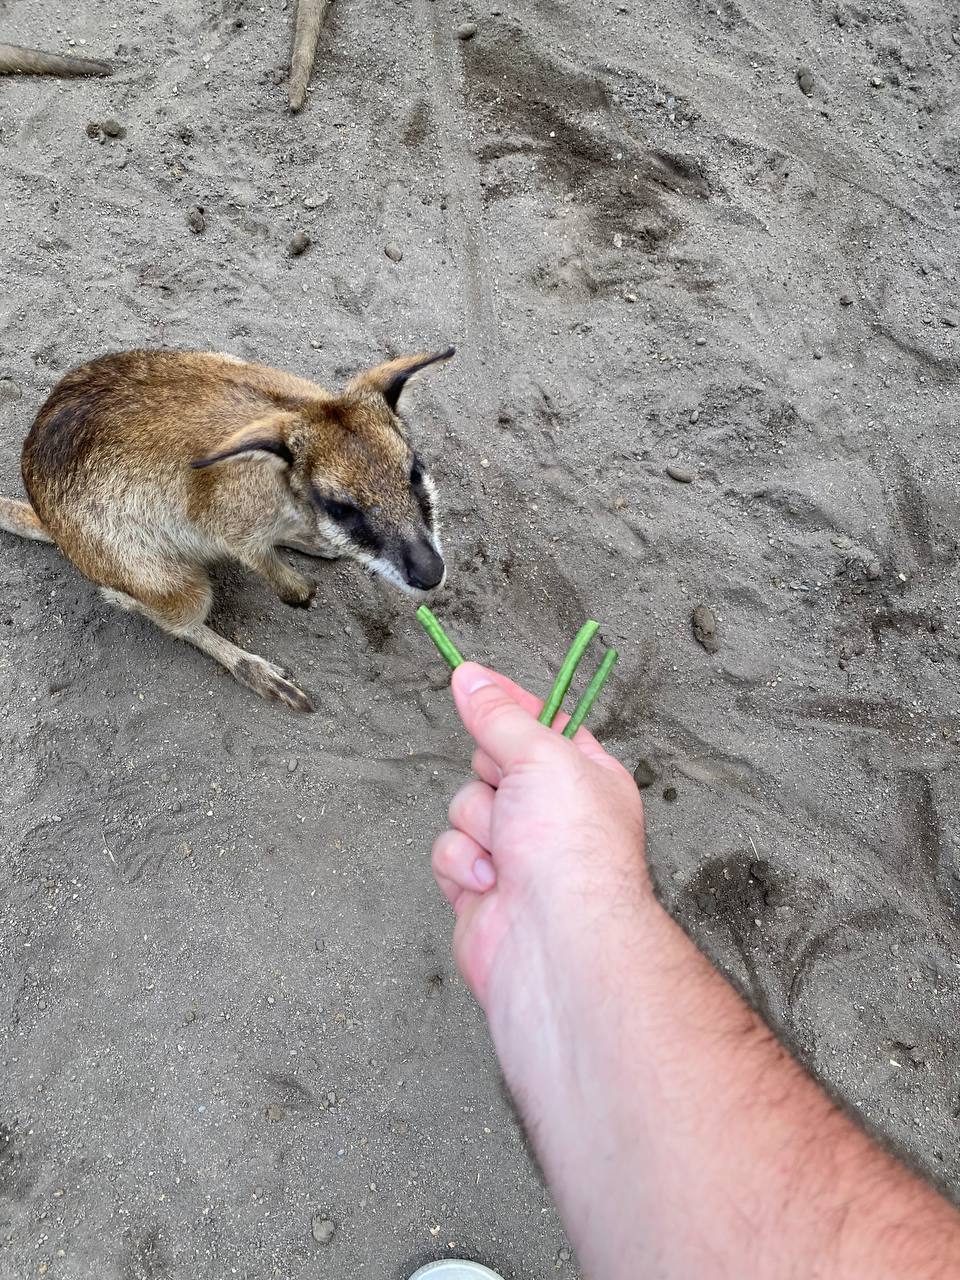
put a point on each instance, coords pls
(228, 1005)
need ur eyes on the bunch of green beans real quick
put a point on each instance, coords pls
(453, 657)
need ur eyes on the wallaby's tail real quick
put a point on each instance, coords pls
(15, 61)
(20, 517)
(310, 15)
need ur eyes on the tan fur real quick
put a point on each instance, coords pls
(310, 15)
(147, 467)
(20, 517)
(17, 61)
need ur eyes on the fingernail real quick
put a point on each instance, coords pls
(483, 871)
(473, 680)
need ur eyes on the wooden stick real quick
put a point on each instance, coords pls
(310, 16)
(17, 61)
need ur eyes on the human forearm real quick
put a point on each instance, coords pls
(678, 1136)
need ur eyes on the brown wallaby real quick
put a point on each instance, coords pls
(17, 61)
(146, 467)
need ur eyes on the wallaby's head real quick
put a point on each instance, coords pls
(353, 473)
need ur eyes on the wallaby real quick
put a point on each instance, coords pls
(146, 467)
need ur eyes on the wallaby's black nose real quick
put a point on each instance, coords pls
(422, 565)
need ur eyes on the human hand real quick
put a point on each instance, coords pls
(548, 837)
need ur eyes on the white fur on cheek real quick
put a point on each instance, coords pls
(431, 489)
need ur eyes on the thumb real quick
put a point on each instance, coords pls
(495, 720)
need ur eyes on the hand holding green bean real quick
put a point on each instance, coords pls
(581, 643)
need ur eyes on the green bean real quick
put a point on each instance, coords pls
(451, 654)
(570, 664)
(591, 693)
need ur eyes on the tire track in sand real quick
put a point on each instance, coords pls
(463, 228)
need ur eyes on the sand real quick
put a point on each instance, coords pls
(229, 1014)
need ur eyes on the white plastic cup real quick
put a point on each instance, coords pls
(455, 1269)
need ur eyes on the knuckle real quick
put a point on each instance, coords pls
(438, 854)
(462, 803)
(492, 709)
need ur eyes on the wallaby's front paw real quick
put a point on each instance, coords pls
(271, 683)
(299, 596)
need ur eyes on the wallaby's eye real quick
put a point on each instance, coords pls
(352, 521)
(339, 511)
(416, 473)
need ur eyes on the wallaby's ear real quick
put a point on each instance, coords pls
(265, 439)
(390, 378)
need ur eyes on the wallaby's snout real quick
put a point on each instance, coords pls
(423, 565)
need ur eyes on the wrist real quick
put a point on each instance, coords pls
(582, 937)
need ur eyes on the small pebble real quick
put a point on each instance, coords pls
(196, 220)
(393, 252)
(670, 794)
(644, 775)
(93, 128)
(805, 80)
(113, 129)
(951, 319)
(322, 1229)
(695, 417)
(564, 1254)
(680, 474)
(467, 31)
(299, 243)
(484, 462)
(274, 1112)
(704, 623)
(701, 342)
(876, 82)
(629, 297)
(292, 765)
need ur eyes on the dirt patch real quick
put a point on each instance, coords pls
(229, 1009)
